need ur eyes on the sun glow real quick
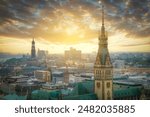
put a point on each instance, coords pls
(77, 26)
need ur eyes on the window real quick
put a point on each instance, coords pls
(108, 72)
(108, 95)
(98, 84)
(108, 84)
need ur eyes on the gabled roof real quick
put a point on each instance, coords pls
(103, 57)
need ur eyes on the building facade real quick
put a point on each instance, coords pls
(42, 54)
(43, 75)
(103, 69)
(73, 54)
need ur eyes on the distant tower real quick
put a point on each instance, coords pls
(103, 69)
(33, 52)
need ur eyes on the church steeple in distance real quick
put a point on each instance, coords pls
(103, 68)
(33, 51)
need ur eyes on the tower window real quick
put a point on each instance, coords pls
(108, 72)
(108, 84)
(108, 95)
(98, 84)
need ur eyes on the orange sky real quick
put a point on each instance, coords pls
(57, 26)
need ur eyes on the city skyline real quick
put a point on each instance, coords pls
(58, 25)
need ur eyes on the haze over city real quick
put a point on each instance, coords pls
(58, 25)
(74, 50)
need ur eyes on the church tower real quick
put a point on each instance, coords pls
(33, 52)
(103, 70)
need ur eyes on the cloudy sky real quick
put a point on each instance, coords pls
(58, 25)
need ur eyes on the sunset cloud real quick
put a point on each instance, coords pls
(73, 21)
